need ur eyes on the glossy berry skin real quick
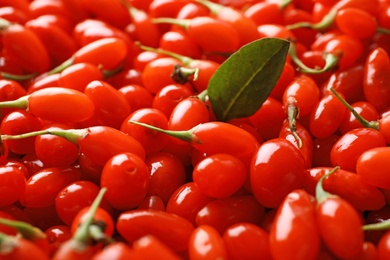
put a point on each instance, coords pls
(152, 202)
(79, 75)
(169, 96)
(188, 113)
(220, 175)
(240, 208)
(220, 137)
(351, 145)
(102, 142)
(340, 227)
(372, 165)
(137, 96)
(116, 250)
(103, 95)
(356, 22)
(187, 200)
(25, 48)
(383, 247)
(180, 43)
(106, 52)
(225, 36)
(43, 187)
(101, 216)
(150, 247)
(363, 108)
(167, 173)
(157, 73)
(171, 229)
(326, 117)
(55, 151)
(376, 69)
(75, 106)
(348, 82)
(348, 185)
(246, 241)
(19, 122)
(307, 142)
(56, 235)
(126, 177)
(206, 243)
(58, 43)
(12, 184)
(304, 92)
(74, 197)
(294, 233)
(151, 140)
(246, 27)
(269, 119)
(270, 179)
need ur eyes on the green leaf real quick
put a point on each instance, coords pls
(244, 81)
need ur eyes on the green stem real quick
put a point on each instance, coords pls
(72, 135)
(213, 7)
(82, 233)
(7, 243)
(132, 10)
(202, 95)
(331, 61)
(6, 75)
(383, 30)
(95, 231)
(292, 115)
(21, 103)
(62, 66)
(187, 136)
(323, 25)
(109, 73)
(181, 74)
(183, 59)
(377, 226)
(359, 118)
(321, 194)
(284, 3)
(184, 23)
(26, 230)
(4, 24)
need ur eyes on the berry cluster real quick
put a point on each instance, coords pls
(194, 129)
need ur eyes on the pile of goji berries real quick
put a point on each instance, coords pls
(111, 148)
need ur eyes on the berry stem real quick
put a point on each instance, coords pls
(331, 61)
(72, 135)
(292, 115)
(284, 3)
(181, 74)
(6, 75)
(187, 136)
(202, 95)
(62, 66)
(21, 103)
(184, 23)
(213, 7)
(322, 25)
(82, 233)
(383, 30)
(359, 118)
(321, 194)
(377, 226)
(4, 24)
(183, 59)
(26, 230)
